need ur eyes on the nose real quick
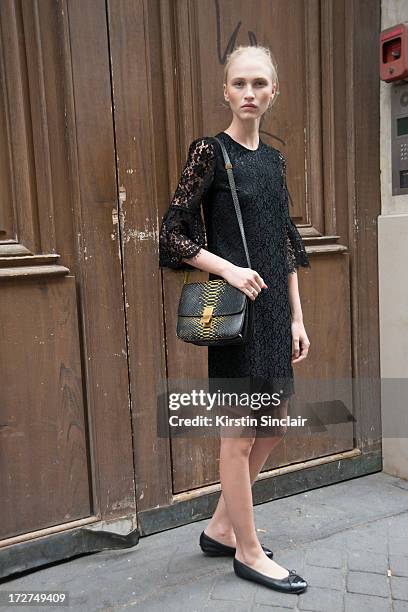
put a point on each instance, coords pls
(249, 93)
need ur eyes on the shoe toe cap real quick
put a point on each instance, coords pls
(295, 580)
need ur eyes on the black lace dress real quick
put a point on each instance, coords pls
(274, 244)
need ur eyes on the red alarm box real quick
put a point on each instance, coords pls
(394, 53)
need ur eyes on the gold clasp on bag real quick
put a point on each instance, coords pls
(206, 316)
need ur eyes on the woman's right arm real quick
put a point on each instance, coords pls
(244, 279)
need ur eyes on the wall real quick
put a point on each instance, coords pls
(393, 288)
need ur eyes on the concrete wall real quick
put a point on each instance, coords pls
(393, 283)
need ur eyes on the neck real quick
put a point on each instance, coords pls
(246, 133)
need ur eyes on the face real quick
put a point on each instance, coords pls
(249, 83)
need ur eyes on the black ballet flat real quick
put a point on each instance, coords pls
(291, 584)
(213, 548)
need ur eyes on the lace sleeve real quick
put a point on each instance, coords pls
(296, 252)
(182, 231)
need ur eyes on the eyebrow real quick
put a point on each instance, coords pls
(261, 78)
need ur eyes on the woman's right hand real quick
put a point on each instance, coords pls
(245, 279)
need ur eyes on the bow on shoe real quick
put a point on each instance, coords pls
(292, 577)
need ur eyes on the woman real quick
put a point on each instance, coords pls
(276, 250)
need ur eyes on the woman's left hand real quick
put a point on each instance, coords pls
(300, 342)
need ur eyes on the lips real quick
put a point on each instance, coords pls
(249, 106)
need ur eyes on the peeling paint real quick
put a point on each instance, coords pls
(122, 193)
(137, 235)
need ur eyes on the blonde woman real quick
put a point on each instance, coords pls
(276, 250)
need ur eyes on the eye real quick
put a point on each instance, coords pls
(257, 83)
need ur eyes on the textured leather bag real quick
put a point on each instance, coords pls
(214, 313)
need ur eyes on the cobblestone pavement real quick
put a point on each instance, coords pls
(348, 540)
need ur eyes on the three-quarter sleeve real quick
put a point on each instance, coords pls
(182, 231)
(296, 252)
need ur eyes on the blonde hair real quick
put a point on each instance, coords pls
(256, 51)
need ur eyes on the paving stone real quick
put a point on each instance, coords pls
(291, 560)
(398, 524)
(190, 597)
(270, 597)
(325, 556)
(400, 606)
(354, 602)
(264, 608)
(193, 565)
(367, 561)
(171, 601)
(368, 584)
(360, 540)
(231, 587)
(399, 587)
(324, 577)
(399, 565)
(321, 600)
(335, 540)
(224, 606)
(398, 545)
(376, 528)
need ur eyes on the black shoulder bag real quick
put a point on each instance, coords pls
(214, 313)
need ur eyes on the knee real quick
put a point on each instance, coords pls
(237, 447)
(268, 441)
(282, 431)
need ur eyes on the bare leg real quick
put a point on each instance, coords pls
(220, 527)
(236, 486)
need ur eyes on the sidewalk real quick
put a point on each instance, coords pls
(348, 540)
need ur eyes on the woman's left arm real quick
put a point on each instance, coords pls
(296, 256)
(300, 341)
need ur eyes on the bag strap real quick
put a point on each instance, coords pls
(228, 167)
(231, 180)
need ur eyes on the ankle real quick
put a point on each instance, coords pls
(249, 553)
(219, 529)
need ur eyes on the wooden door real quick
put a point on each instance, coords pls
(65, 429)
(167, 66)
